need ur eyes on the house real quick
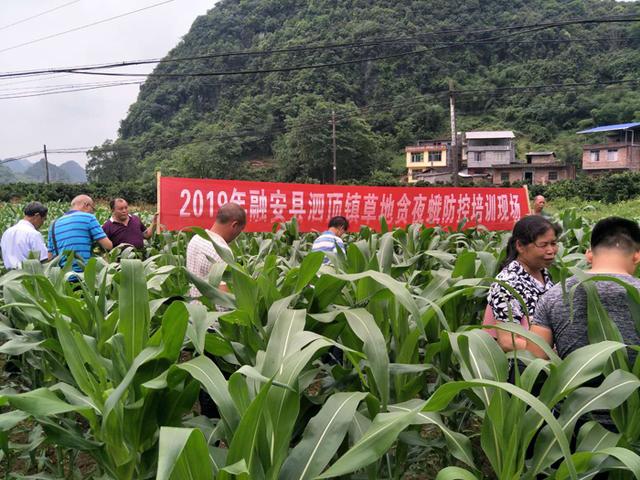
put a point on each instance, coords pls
(486, 149)
(539, 168)
(617, 150)
(428, 161)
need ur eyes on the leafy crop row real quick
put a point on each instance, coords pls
(370, 368)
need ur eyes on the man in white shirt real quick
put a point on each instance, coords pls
(201, 254)
(23, 238)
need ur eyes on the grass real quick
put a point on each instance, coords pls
(597, 210)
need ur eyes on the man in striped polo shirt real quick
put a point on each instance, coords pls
(330, 240)
(77, 231)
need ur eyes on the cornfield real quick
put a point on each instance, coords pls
(374, 367)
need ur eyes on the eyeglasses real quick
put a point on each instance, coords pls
(543, 245)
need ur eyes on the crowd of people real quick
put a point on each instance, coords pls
(523, 293)
(526, 295)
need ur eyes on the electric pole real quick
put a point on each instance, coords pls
(333, 137)
(454, 136)
(46, 165)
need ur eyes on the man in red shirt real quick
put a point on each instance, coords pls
(123, 228)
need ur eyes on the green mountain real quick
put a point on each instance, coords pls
(19, 166)
(36, 173)
(277, 125)
(74, 171)
(6, 174)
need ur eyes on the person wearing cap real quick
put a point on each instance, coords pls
(20, 240)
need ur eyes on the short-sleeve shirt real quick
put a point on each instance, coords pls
(201, 255)
(132, 233)
(504, 304)
(18, 241)
(76, 231)
(554, 313)
(327, 242)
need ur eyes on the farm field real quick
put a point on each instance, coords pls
(594, 210)
(370, 368)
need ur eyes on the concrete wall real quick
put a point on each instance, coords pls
(542, 159)
(425, 163)
(485, 153)
(628, 157)
(540, 175)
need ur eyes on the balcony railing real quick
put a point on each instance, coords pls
(488, 148)
(610, 146)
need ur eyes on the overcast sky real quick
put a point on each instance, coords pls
(82, 118)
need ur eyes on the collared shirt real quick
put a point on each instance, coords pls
(18, 241)
(201, 255)
(327, 242)
(132, 233)
(504, 304)
(76, 231)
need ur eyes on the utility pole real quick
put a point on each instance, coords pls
(454, 136)
(333, 137)
(46, 165)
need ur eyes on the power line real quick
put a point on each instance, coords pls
(68, 90)
(367, 110)
(527, 28)
(324, 65)
(25, 92)
(4, 27)
(20, 157)
(253, 135)
(82, 27)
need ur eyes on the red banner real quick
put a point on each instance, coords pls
(187, 202)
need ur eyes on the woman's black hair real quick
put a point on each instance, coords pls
(527, 230)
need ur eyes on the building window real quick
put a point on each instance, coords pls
(612, 155)
(435, 156)
(417, 157)
(504, 177)
(553, 175)
(594, 155)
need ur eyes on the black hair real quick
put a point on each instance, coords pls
(616, 232)
(112, 203)
(35, 208)
(527, 230)
(339, 222)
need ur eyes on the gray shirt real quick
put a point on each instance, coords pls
(553, 312)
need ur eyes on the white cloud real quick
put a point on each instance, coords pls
(81, 118)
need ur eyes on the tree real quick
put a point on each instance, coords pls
(305, 150)
(112, 162)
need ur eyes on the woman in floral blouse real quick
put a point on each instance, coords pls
(531, 249)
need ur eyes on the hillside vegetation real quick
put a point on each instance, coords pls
(278, 125)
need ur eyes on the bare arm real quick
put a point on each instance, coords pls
(149, 231)
(543, 332)
(509, 341)
(105, 243)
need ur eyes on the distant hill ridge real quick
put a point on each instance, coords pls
(25, 171)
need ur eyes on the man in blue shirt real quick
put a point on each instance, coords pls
(77, 230)
(329, 241)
